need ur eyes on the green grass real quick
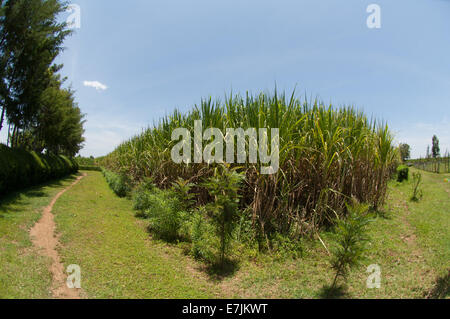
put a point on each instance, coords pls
(410, 242)
(23, 272)
(119, 259)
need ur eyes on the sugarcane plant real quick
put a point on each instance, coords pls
(327, 155)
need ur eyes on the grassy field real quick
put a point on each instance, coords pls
(23, 272)
(119, 259)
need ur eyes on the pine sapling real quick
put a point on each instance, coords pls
(350, 242)
(223, 187)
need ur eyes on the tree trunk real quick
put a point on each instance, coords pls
(9, 135)
(2, 118)
(14, 137)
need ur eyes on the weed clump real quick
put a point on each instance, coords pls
(417, 191)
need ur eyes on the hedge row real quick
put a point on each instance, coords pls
(20, 168)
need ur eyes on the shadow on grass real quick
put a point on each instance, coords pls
(215, 271)
(329, 292)
(218, 272)
(441, 289)
(15, 201)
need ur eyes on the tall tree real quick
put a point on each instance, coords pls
(435, 150)
(60, 121)
(2, 61)
(405, 152)
(31, 38)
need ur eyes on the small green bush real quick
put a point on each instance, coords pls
(164, 216)
(402, 173)
(245, 231)
(284, 247)
(118, 183)
(182, 189)
(162, 208)
(204, 242)
(20, 169)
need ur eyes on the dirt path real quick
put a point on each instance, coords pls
(44, 238)
(410, 237)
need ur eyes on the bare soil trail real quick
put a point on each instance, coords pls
(45, 239)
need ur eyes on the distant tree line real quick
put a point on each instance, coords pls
(433, 161)
(39, 113)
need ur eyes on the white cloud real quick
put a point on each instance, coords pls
(96, 85)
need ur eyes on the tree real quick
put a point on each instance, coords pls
(435, 150)
(59, 127)
(223, 187)
(350, 241)
(2, 61)
(428, 151)
(43, 115)
(405, 152)
(31, 38)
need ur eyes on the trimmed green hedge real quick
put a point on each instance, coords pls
(20, 168)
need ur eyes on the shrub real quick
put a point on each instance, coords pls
(350, 240)
(20, 169)
(164, 215)
(204, 243)
(118, 183)
(182, 189)
(402, 173)
(245, 231)
(162, 208)
(284, 247)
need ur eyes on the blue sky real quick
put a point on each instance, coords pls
(154, 56)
